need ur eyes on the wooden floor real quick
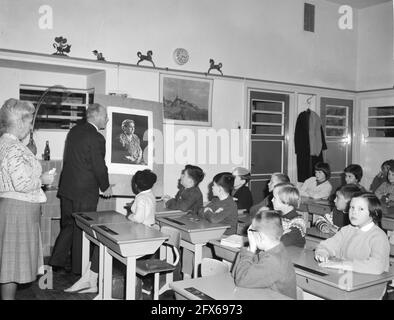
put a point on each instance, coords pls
(62, 281)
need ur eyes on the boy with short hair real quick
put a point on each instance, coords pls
(265, 263)
(339, 217)
(189, 197)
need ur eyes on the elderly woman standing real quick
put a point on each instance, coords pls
(21, 255)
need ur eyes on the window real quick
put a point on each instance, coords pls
(309, 17)
(336, 124)
(61, 108)
(381, 121)
(267, 117)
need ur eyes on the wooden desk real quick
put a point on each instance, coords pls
(330, 283)
(126, 242)
(162, 211)
(225, 252)
(194, 234)
(86, 221)
(313, 206)
(335, 284)
(222, 287)
(388, 222)
(314, 236)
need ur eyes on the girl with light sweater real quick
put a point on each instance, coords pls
(318, 187)
(362, 246)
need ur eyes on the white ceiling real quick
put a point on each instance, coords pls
(359, 3)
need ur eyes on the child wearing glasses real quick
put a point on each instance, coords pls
(265, 263)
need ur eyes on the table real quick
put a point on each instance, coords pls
(315, 207)
(323, 282)
(126, 242)
(86, 220)
(222, 287)
(194, 234)
(162, 211)
(314, 236)
(225, 252)
(336, 284)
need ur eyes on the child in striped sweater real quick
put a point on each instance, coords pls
(286, 199)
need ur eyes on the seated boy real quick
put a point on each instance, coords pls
(265, 263)
(339, 216)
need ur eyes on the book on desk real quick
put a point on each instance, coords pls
(233, 241)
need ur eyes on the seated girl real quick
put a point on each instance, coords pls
(339, 216)
(222, 209)
(276, 178)
(382, 175)
(286, 199)
(353, 175)
(241, 193)
(318, 187)
(144, 206)
(362, 246)
(385, 192)
(189, 197)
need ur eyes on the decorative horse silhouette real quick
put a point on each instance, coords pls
(215, 66)
(147, 57)
(99, 55)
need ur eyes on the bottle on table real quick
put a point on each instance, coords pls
(47, 152)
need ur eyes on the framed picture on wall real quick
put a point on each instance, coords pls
(186, 100)
(129, 140)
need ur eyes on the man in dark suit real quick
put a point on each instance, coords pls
(84, 174)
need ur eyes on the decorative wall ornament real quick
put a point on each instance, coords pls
(181, 56)
(147, 57)
(99, 55)
(213, 66)
(61, 46)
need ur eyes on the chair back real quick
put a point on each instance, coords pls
(211, 267)
(174, 236)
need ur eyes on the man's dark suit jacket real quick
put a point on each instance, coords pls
(84, 170)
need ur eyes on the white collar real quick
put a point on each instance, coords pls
(367, 227)
(146, 191)
(93, 125)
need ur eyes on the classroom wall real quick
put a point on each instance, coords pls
(261, 39)
(375, 56)
(10, 81)
(182, 144)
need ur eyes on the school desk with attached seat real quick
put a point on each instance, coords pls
(336, 284)
(224, 252)
(315, 207)
(221, 287)
(323, 282)
(162, 211)
(126, 242)
(86, 221)
(195, 233)
(388, 225)
(314, 236)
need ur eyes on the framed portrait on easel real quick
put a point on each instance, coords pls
(129, 140)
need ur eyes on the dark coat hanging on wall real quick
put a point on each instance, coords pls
(306, 162)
